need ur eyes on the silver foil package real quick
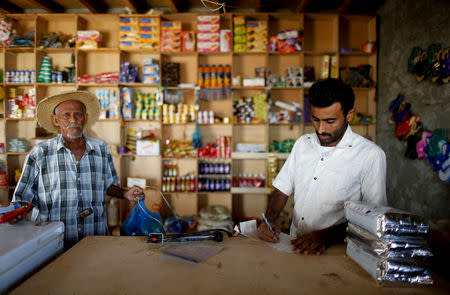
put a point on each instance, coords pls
(385, 271)
(385, 222)
(409, 250)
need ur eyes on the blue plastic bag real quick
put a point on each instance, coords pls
(141, 222)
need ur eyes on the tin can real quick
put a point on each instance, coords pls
(368, 47)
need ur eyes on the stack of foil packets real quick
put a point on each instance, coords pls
(388, 243)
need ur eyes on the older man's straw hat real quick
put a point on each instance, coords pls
(47, 105)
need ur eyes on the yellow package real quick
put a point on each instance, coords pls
(325, 66)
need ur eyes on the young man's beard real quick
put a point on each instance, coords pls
(333, 137)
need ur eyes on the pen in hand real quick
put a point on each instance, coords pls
(270, 228)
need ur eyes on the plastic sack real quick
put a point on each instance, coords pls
(141, 222)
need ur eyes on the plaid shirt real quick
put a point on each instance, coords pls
(60, 187)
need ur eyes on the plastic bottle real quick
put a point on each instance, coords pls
(192, 183)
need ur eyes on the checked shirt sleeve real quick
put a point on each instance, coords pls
(26, 189)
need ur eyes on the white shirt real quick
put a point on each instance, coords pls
(321, 182)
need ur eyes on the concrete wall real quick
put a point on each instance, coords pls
(411, 184)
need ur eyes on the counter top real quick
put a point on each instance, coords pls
(128, 265)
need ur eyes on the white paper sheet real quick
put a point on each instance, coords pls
(249, 229)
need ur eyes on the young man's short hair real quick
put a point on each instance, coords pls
(325, 92)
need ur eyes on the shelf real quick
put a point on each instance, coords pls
(141, 120)
(138, 84)
(19, 84)
(99, 85)
(215, 124)
(215, 53)
(295, 53)
(323, 34)
(356, 53)
(250, 190)
(139, 50)
(57, 84)
(257, 156)
(250, 53)
(99, 50)
(319, 53)
(246, 88)
(286, 124)
(250, 124)
(143, 156)
(19, 49)
(16, 153)
(21, 119)
(179, 53)
(174, 159)
(57, 50)
(214, 192)
(175, 124)
(109, 120)
(179, 88)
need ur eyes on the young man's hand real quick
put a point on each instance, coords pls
(310, 243)
(135, 193)
(265, 234)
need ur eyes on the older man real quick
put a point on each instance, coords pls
(66, 178)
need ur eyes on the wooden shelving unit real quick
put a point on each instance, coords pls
(324, 34)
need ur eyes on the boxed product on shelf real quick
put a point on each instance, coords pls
(208, 33)
(225, 41)
(171, 36)
(149, 32)
(150, 71)
(129, 32)
(127, 103)
(187, 41)
(287, 41)
(150, 41)
(147, 22)
(146, 147)
(22, 105)
(252, 109)
(109, 103)
(334, 68)
(250, 147)
(208, 19)
(325, 72)
(208, 46)
(253, 82)
(88, 39)
(137, 181)
(170, 74)
(257, 36)
(239, 34)
(128, 73)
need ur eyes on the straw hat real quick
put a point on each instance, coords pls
(47, 105)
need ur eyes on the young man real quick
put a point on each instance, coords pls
(66, 178)
(325, 169)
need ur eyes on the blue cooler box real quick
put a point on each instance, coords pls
(24, 247)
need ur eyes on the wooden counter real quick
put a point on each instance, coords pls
(128, 265)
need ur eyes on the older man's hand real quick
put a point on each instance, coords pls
(135, 193)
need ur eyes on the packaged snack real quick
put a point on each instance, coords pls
(188, 41)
